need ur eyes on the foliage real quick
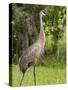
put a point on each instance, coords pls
(26, 28)
(55, 22)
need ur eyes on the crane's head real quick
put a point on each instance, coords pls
(43, 13)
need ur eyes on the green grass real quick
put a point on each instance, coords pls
(52, 72)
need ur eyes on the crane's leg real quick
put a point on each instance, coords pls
(34, 75)
(22, 79)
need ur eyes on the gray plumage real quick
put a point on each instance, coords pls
(32, 54)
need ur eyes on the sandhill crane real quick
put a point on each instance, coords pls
(31, 55)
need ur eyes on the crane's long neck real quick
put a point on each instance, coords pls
(41, 23)
(42, 34)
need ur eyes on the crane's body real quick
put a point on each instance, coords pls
(32, 54)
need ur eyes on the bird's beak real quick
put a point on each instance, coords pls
(45, 13)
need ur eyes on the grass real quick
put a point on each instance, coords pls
(53, 71)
